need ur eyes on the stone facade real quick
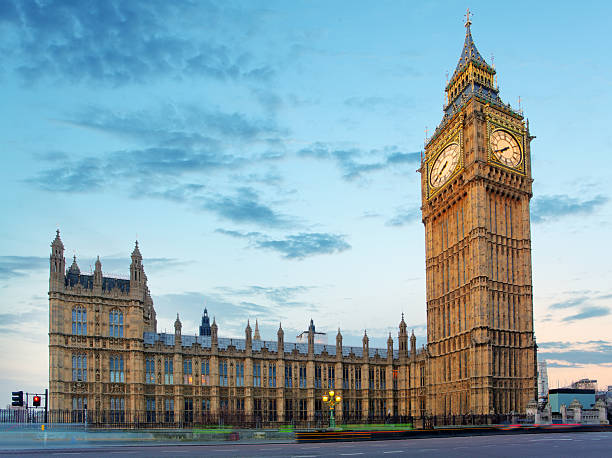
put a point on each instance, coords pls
(106, 356)
(476, 187)
(105, 352)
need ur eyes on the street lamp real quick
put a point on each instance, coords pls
(331, 399)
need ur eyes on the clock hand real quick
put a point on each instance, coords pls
(442, 169)
(500, 150)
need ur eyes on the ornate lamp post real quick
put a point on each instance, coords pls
(331, 399)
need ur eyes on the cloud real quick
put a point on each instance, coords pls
(281, 295)
(405, 216)
(550, 208)
(19, 266)
(569, 303)
(575, 354)
(347, 159)
(116, 43)
(588, 312)
(297, 246)
(245, 207)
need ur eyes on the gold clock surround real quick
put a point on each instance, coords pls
(456, 140)
(506, 135)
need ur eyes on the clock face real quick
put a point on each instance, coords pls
(445, 165)
(505, 148)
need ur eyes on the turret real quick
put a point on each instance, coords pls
(205, 326)
(74, 267)
(412, 344)
(57, 264)
(339, 345)
(213, 335)
(177, 331)
(280, 335)
(248, 333)
(256, 335)
(311, 333)
(390, 347)
(366, 345)
(403, 338)
(137, 276)
(97, 277)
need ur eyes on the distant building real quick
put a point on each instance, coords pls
(319, 337)
(585, 384)
(542, 381)
(205, 326)
(565, 396)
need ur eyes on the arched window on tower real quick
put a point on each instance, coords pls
(79, 321)
(115, 323)
(116, 369)
(79, 368)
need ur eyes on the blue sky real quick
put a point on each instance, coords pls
(264, 155)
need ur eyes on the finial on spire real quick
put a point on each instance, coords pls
(467, 19)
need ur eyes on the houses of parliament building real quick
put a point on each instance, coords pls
(105, 354)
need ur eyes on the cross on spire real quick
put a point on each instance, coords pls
(467, 18)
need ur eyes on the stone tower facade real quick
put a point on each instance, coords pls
(476, 187)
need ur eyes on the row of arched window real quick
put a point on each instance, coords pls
(79, 322)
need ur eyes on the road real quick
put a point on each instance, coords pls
(523, 445)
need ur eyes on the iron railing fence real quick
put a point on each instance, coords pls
(188, 419)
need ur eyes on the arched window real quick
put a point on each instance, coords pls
(116, 369)
(79, 368)
(115, 323)
(79, 321)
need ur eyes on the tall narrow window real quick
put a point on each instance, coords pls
(168, 371)
(118, 410)
(317, 381)
(240, 374)
(288, 376)
(205, 372)
(272, 375)
(150, 404)
(79, 321)
(257, 374)
(187, 372)
(222, 373)
(79, 368)
(150, 370)
(302, 376)
(116, 369)
(357, 378)
(169, 410)
(115, 320)
(331, 375)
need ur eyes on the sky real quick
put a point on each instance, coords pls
(264, 156)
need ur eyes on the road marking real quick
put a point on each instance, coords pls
(267, 449)
(351, 454)
(394, 451)
(303, 456)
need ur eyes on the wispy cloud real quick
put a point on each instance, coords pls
(374, 102)
(117, 43)
(576, 353)
(245, 207)
(355, 162)
(404, 216)
(19, 266)
(550, 208)
(588, 312)
(297, 246)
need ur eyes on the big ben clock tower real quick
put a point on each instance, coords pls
(476, 186)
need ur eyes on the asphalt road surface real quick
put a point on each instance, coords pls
(521, 445)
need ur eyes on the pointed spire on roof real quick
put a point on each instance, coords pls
(136, 252)
(98, 264)
(256, 335)
(57, 242)
(74, 268)
(470, 52)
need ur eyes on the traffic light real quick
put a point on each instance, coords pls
(36, 401)
(18, 398)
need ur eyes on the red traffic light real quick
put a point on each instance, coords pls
(36, 401)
